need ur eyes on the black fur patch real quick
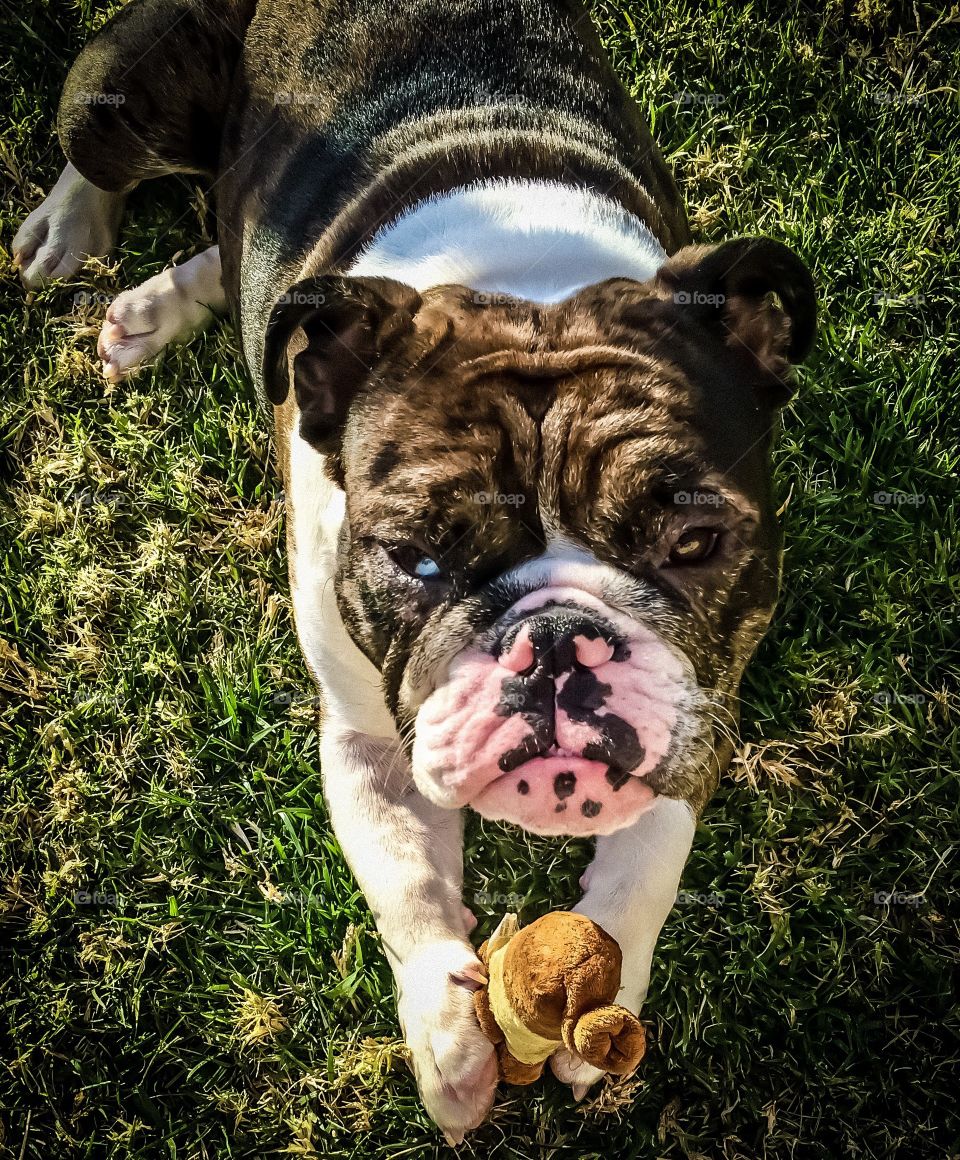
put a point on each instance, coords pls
(581, 698)
(616, 777)
(529, 747)
(564, 784)
(386, 459)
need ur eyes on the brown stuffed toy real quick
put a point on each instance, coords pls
(552, 985)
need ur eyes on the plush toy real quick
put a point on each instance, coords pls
(552, 985)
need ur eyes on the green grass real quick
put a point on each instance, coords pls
(188, 970)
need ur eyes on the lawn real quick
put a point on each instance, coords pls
(188, 971)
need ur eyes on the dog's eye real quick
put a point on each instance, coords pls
(693, 546)
(415, 562)
(426, 568)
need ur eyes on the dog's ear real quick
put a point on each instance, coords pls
(758, 295)
(325, 336)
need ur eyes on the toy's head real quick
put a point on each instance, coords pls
(554, 983)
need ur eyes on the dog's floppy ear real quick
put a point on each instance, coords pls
(733, 287)
(325, 336)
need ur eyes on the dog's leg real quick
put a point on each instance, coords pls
(630, 888)
(407, 856)
(75, 221)
(172, 306)
(146, 97)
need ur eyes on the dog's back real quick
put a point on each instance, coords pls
(348, 113)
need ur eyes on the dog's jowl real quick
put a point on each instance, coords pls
(524, 428)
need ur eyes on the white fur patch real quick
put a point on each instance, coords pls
(172, 306)
(76, 221)
(528, 239)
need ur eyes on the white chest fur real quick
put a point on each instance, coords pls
(530, 239)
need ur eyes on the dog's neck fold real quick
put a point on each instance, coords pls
(537, 240)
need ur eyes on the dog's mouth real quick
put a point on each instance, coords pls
(562, 793)
(564, 724)
(529, 751)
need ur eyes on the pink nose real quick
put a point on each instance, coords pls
(589, 653)
(592, 653)
(519, 657)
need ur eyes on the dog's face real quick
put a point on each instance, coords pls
(560, 549)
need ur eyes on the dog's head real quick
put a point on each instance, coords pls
(559, 547)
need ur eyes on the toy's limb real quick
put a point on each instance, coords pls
(488, 1025)
(631, 886)
(610, 1038)
(515, 1072)
(511, 1069)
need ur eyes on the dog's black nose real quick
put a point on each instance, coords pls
(550, 643)
(537, 652)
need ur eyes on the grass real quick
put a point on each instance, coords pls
(188, 970)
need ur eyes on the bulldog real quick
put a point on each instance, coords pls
(524, 428)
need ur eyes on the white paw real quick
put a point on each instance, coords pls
(75, 222)
(172, 306)
(453, 1060)
(571, 1069)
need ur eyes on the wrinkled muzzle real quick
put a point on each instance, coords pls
(558, 723)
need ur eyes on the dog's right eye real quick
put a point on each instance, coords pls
(414, 561)
(694, 546)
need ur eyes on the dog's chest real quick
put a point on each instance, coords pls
(524, 239)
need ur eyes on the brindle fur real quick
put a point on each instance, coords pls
(320, 134)
(357, 127)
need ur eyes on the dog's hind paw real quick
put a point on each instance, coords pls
(172, 306)
(76, 221)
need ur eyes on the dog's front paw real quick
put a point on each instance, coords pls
(570, 1068)
(453, 1060)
